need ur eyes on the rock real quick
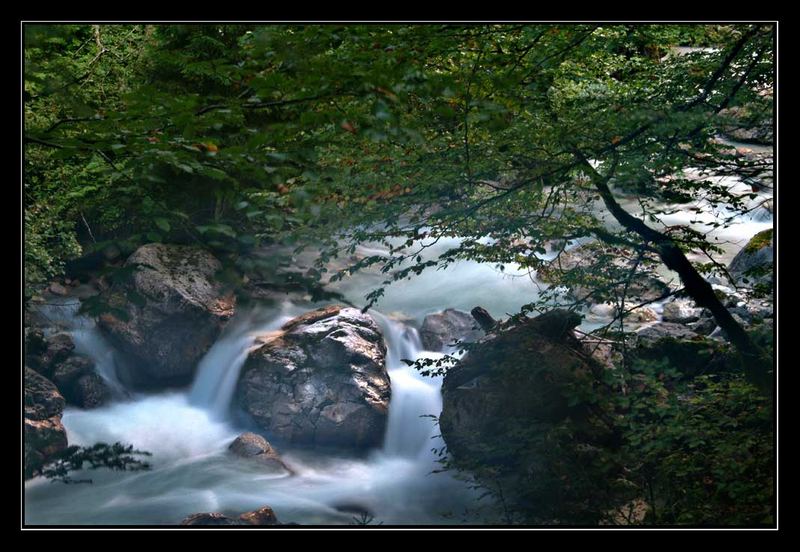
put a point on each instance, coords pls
(58, 348)
(79, 383)
(753, 264)
(35, 346)
(719, 333)
(513, 378)
(57, 289)
(704, 326)
(441, 329)
(211, 518)
(45, 436)
(662, 330)
(743, 124)
(89, 391)
(690, 352)
(321, 380)
(512, 385)
(178, 314)
(67, 372)
(250, 445)
(42, 399)
(681, 311)
(603, 310)
(642, 315)
(262, 516)
(483, 318)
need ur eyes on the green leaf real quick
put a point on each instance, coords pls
(163, 224)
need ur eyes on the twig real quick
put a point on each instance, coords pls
(87, 227)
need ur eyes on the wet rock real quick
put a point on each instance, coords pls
(704, 326)
(513, 381)
(79, 383)
(642, 315)
(753, 264)
(603, 310)
(58, 289)
(57, 349)
(211, 518)
(255, 447)
(483, 318)
(262, 516)
(35, 345)
(441, 329)
(664, 330)
(321, 380)
(70, 370)
(89, 391)
(177, 312)
(745, 124)
(681, 311)
(44, 434)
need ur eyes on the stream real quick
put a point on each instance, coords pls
(188, 430)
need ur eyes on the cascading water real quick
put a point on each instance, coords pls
(188, 433)
(87, 339)
(410, 429)
(218, 371)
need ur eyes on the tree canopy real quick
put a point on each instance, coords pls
(512, 137)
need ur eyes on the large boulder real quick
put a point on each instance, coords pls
(176, 314)
(262, 516)
(753, 264)
(503, 402)
(45, 436)
(322, 379)
(441, 329)
(512, 379)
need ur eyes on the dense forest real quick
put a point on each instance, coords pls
(485, 274)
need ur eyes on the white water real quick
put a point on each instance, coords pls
(188, 433)
(218, 371)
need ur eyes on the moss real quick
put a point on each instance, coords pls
(759, 241)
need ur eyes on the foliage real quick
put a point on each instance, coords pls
(117, 456)
(234, 135)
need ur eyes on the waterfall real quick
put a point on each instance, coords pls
(410, 430)
(87, 339)
(218, 371)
